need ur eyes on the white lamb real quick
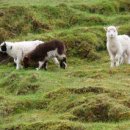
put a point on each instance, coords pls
(118, 46)
(18, 50)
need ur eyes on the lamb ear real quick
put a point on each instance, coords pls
(105, 28)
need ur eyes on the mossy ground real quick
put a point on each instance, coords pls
(88, 94)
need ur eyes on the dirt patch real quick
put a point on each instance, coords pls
(27, 89)
(83, 90)
(90, 89)
(96, 113)
(101, 109)
(27, 85)
(117, 94)
(36, 25)
(9, 107)
(79, 74)
(126, 102)
(6, 107)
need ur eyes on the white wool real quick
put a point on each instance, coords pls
(18, 50)
(118, 46)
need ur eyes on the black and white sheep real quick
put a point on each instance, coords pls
(18, 50)
(43, 52)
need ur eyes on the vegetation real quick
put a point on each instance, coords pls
(88, 94)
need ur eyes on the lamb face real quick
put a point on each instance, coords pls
(111, 32)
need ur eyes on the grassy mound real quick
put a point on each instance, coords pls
(59, 125)
(11, 84)
(102, 106)
(45, 19)
(87, 95)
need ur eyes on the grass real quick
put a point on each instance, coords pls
(88, 94)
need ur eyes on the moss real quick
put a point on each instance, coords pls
(101, 7)
(119, 112)
(84, 96)
(20, 20)
(57, 125)
(101, 109)
(124, 29)
(26, 86)
(83, 42)
(124, 5)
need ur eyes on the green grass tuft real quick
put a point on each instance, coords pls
(88, 95)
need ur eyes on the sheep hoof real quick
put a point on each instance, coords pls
(111, 66)
(37, 69)
(63, 65)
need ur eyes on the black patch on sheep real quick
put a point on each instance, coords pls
(45, 65)
(4, 48)
(40, 53)
(63, 63)
(26, 62)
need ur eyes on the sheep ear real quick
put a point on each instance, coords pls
(105, 28)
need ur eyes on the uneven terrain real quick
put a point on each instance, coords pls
(88, 95)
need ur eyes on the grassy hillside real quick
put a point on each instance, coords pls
(88, 95)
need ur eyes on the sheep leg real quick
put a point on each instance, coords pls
(62, 59)
(17, 64)
(112, 61)
(15, 60)
(129, 59)
(55, 60)
(40, 64)
(45, 65)
(124, 59)
(18, 61)
(112, 58)
(63, 63)
(117, 60)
